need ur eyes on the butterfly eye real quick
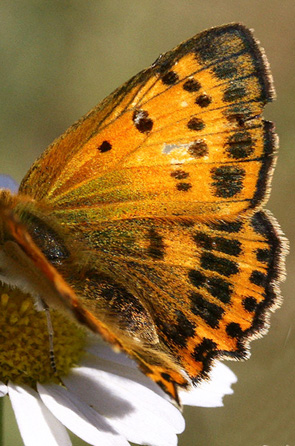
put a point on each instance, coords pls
(46, 238)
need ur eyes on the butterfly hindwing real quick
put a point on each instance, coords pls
(206, 286)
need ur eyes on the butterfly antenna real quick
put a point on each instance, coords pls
(50, 335)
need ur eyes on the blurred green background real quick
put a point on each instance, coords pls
(59, 58)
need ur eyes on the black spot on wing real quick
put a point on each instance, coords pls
(142, 122)
(183, 186)
(208, 311)
(179, 174)
(166, 376)
(177, 332)
(220, 244)
(234, 330)
(216, 286)
(219, 288)
(203, 351)
(196, 124)
(227, 180)
(239, 145)
(222, 266)
(203, 100)
(258, 278)
(198, 148)
(170, 78)
(196, 278)
(230, 247)
(202, 240)
(105, 147)
(263, 255)
(192, 85)
(250, 304)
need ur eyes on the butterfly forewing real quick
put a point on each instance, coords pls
(185, 137)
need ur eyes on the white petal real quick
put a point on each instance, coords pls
(3, 389)
(136, 412)
(78, 417)
(137, 383)
(119, 364)
(7, 182)
(210, 393)
(36, 423)
(103, 350)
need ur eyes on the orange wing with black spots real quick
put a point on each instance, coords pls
(206, 285)
(184, 137)
(150, 208)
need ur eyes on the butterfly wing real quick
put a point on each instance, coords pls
(163, 182)
(184, 137)
(207, 285)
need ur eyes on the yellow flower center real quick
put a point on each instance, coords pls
(24, 341)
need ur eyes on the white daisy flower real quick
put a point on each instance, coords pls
(100, 396)
(103, 399)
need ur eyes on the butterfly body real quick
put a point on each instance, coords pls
(144, 221)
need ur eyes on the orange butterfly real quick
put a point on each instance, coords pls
(144, 220)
